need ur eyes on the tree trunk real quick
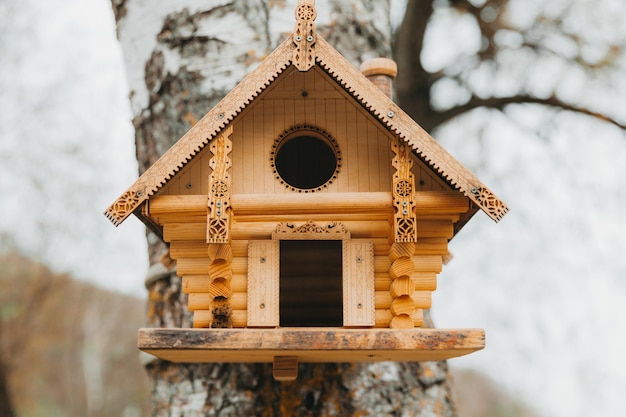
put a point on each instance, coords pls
(181, 62)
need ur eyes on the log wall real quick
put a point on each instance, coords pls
(366, 217)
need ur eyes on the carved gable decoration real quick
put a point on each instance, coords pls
(305, 49)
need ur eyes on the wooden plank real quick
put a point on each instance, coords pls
(422, 299)
(269, 131)
(309, 345)
(200, 266)
(256, 204)
(257, 147)
(364, 164)
(202, 284)
(344, 217)
(199, 249)
(169, 204)
(263, 284)
(358, 283)
(422, 281)
(204, 318)
(184, 231)
(189, 249)
(263, 230)
(428, 263)
(285, 368)
(435, 228)
(202, 301)
(431, 246)
(384, 316)
(311, 95)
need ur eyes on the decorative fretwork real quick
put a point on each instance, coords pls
(123, 206)
(405, 222)
(304, 36)
(333, 230)
(492, 205)
(218, 215)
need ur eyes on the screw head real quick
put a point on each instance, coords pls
(298, 38)
(309, 38)
(390, 114)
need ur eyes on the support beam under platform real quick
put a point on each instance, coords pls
(309, 344)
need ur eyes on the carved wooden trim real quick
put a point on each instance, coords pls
(218, 215)
(490, 203)
(311, 231)
(304, 35)
(398, 122)
(353, 82)
(202, 132)
(123, 206)
(403, 190)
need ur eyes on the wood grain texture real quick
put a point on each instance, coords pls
(309, 345)
(352, 82)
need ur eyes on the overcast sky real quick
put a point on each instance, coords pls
(547, 283)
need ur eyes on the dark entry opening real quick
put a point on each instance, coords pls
(306, 162)
(311, 283)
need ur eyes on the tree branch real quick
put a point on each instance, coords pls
(413, 83)
(501, 102)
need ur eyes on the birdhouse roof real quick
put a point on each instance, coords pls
(319, 53)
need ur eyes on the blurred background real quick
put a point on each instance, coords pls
(548, 283)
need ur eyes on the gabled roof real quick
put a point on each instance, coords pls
(321, 53)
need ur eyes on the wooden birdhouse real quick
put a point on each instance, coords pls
(308, 216)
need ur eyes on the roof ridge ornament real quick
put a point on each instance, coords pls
(304, 35)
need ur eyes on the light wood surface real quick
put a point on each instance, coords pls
(309, 345)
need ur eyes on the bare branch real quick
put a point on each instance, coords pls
(413, 84)
(501, 102)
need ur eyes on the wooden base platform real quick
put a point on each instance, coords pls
(309, 344)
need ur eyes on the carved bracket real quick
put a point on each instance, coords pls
(304, 35)
(490, 203)
(405, 221)
(311, 230)
(218, 214)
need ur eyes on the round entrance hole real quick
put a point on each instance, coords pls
(305, 160)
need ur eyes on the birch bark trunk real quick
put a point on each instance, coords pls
(182, 57)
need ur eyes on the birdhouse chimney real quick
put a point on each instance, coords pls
(381, 71)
